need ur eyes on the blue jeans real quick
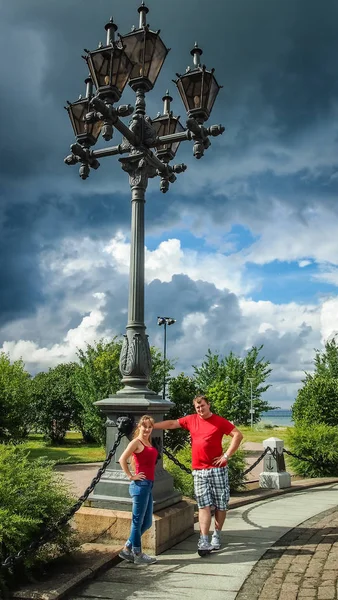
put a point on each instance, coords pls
(142, 511)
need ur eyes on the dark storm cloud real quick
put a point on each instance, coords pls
(276, 60)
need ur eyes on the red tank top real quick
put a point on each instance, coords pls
(145, 461)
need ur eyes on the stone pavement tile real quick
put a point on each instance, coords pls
(327, 593)
(330, 574)
(307, 593)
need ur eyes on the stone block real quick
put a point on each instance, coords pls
(275, 481)
(170, 526)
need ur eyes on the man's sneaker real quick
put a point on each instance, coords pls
(126, 554)
(144, 559)
(216, 541)
(203, 547)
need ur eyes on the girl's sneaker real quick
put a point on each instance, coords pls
(216, 541)
(127, 554)
(144, 559)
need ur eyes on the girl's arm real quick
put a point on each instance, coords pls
(132, 447)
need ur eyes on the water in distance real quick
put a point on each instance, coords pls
(280, 417)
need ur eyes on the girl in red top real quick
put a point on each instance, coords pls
(144, 457)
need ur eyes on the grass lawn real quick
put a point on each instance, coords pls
(74, 450)
(258, 435)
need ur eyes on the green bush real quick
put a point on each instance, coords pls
(183, 482)
(317, 401)
(32, 497)
(318, 442)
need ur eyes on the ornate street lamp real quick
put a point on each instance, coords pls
(198, 88)
(167, 124)
(149, 146)
(146, 51)
(86, 132)
(109, 66)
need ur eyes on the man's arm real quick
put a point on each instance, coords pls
(167, 425)
(237, 437)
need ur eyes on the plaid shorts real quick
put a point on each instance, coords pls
(211, 487)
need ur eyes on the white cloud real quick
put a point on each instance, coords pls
(45, 357)
(170, 259)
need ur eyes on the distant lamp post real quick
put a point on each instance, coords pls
(165, 321)
(251, 379)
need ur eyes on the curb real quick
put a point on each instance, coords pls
(51, 589)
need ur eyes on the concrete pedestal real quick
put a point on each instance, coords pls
(274, 475)
(170, 526)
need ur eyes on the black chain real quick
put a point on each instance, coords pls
(187, 470)
(125, 426)
(309, 460)
(177, 462)
(259, 459)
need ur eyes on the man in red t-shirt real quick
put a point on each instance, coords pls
(210, 465)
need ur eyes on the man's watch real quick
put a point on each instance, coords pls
(226, 456)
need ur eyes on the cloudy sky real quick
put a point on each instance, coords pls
(243, 249)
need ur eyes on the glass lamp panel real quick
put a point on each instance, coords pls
(77, 112)
(147, 52)
(134, 48)
(155, 55)
(110, 67)
(190, 87)
(214, 89)
(178, 129)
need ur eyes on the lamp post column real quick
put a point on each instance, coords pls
(135, 359)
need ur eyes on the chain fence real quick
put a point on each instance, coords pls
(125, 426)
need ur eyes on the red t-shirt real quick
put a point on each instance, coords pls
(145, 461)
(206, 437)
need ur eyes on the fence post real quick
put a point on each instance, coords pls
(274, 475)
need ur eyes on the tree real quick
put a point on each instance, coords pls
(210, 371)
(317, 400)
(182, 390)
(226, 381)
(99, 376)
(54, 400)
(14, 399)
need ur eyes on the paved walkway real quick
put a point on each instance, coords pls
(263, 558)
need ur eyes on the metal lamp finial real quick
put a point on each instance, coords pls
(111, 29)
(143, 10)
(196, 53)
(167, 99)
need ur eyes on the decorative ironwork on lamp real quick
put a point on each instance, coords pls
(146, 51)
(86, 132)
(198, 88)
(167, 124)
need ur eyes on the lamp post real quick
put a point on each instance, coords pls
(165, 321)
(150, 145)
(251, 379)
